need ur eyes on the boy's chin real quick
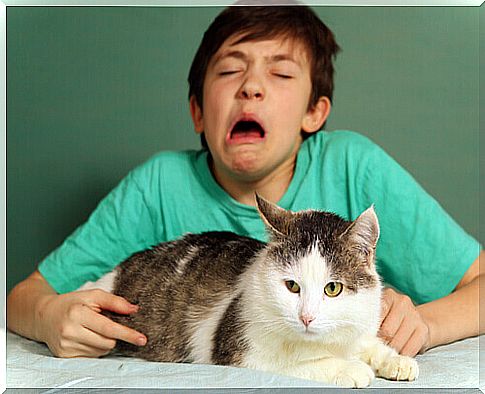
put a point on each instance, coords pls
(246, 163)
(243, 172)
(246, 167)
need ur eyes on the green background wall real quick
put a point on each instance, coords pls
(92, 92)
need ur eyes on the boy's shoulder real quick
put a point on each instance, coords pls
(344, 137)
(343, 141)
(169, 160)
(167, 165)
(176, 157)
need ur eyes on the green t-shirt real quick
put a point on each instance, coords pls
(421, 252)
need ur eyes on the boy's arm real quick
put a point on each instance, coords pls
(70, 324)
(410, 329)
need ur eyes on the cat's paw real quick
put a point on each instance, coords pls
(399, 368)
(354, 374)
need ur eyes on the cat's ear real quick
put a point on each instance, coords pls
(276, 219)
(363, 233)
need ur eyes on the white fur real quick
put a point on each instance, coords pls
(105, 283)
(337, 345)
(183, 262)
(202, 325)
(385, 361)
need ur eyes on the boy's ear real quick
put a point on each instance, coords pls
(196, 113)
(316, 115)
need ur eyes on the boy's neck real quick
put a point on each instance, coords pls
(272, 186)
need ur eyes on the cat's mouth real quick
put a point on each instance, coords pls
(246, 130)
(310, 333)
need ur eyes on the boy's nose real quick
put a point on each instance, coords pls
(251, 89)
(251, 93)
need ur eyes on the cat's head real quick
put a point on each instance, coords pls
(317, 275)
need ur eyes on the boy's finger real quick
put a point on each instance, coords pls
(391, 324)
(108, 328)
(92, 350)
(385, 308)
(113, 303)
(386, 304)
(95, 340)
(413, 345)
(401, 337)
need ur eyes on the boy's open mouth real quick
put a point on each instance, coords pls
(246, 131)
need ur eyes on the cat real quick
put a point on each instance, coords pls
(306, 304)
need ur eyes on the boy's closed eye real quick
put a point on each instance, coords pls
(284, 69)
(228, 68)
(279, 73)
(228, 72)
(283, 75)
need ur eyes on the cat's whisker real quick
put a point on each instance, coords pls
(293, 325)
(273, 328)
(350, 324)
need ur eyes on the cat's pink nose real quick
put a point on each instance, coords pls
(307, 319)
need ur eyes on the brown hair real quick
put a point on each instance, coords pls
(266, 22)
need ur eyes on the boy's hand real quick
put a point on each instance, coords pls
(72, 326)
(402, 326)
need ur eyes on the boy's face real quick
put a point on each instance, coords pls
(256, 97)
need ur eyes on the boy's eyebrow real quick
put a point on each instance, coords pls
(234, 53)
(269, 59)
(283, 57)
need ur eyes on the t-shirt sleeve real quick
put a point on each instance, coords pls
(422, 251)
(120, 225)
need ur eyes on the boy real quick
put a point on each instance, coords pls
(260, 90)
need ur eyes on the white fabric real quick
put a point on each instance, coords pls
(31, 365)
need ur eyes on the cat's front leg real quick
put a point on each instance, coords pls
(386, 362)
(343, 373)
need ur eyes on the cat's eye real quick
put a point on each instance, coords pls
(292, 286)
(333, 289)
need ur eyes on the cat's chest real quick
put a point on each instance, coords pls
(273, 354)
